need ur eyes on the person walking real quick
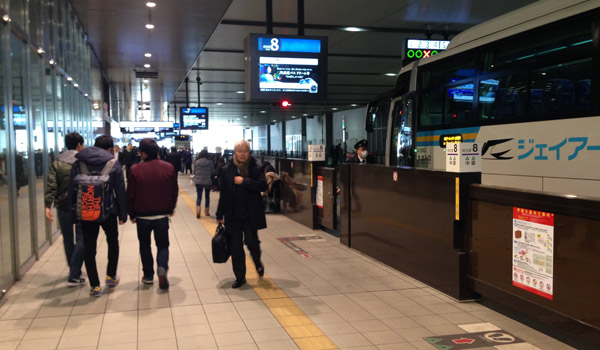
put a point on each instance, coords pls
(95, 158)
(204, 171)
(57, 191)
(240, 208)
(152, 196)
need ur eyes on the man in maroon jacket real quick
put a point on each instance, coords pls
(152, 195)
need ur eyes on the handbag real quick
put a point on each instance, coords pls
(220, 245)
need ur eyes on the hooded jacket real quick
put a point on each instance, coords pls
(204, 171)
(95, 158)
(58, 180)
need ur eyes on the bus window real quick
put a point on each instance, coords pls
(459, 104)
(401, 143)
(431, 110)
(456, 70)
(502, 97)
(542, 45)
(562, 88)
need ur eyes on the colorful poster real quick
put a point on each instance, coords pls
(533, 251)
(320, 191)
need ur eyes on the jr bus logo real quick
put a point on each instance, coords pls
(538, 151)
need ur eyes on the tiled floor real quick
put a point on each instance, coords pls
(337, 298)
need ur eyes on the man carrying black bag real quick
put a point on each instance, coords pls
(240, 203)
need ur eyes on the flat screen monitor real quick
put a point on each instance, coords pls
(285, 67)
(194, 118)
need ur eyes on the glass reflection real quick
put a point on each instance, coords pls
(21, 156)
(6, 257)
(38, 127)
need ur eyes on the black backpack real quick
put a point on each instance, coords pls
(94, 193)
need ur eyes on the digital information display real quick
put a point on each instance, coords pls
(195, 118)
(284, 74)
(285, 67)
(418, 48)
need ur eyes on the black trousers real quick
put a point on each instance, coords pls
(90, 240)
(241, 232)
(161, 237)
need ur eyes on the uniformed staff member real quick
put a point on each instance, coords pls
(360, 156)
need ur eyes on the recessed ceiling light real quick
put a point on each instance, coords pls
(69, 78)
(52, 61)
(245, 117)
(390, 74)
(306, 115)
(293, 117)
(354, 29)
(148, 54)
(219, 103)
(6, 18)
(149, 26)
(151, 4)
(240, 92)
(263, 111)
(76, 85)
(334, 109)
(86, 95)
(353, 105)
(147, 65)
(274, 120)
(145, 81)
(40, 50)
(239, 119)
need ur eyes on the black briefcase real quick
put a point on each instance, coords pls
(220, 245)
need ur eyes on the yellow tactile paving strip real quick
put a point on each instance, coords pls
(302, 330)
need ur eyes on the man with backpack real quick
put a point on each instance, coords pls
(152, 196)
(97, 193)
(57, 193)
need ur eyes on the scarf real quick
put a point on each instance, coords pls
(242, 167)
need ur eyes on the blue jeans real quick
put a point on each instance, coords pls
(73, 250)
(199, 189)
(161, 237)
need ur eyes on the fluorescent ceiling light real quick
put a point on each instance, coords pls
(149, 26)
(147, 65)
(354, 29)
(390, 74)
(148, 54)
(240, 92)
(151, 4)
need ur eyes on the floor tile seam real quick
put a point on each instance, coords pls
(187, 200)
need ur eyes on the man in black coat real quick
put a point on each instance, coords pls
(240, 203)
(360, 157)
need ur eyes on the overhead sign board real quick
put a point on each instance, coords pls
(194, 118)
(421, 48)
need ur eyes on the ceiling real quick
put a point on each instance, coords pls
(205, 38)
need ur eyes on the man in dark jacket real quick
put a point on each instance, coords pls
(173, 158)
(57, 191)
(360, 157)
(152, 196)
(95, 159)
(240, 203)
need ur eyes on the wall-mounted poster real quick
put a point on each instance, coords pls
(533, 251)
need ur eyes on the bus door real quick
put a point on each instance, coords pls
(401, 140)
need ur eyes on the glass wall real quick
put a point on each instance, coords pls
(44, 83)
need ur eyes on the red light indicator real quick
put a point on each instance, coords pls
(285, 103)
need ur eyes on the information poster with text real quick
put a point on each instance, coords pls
(533, 251)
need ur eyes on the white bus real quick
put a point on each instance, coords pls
(524, 87)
